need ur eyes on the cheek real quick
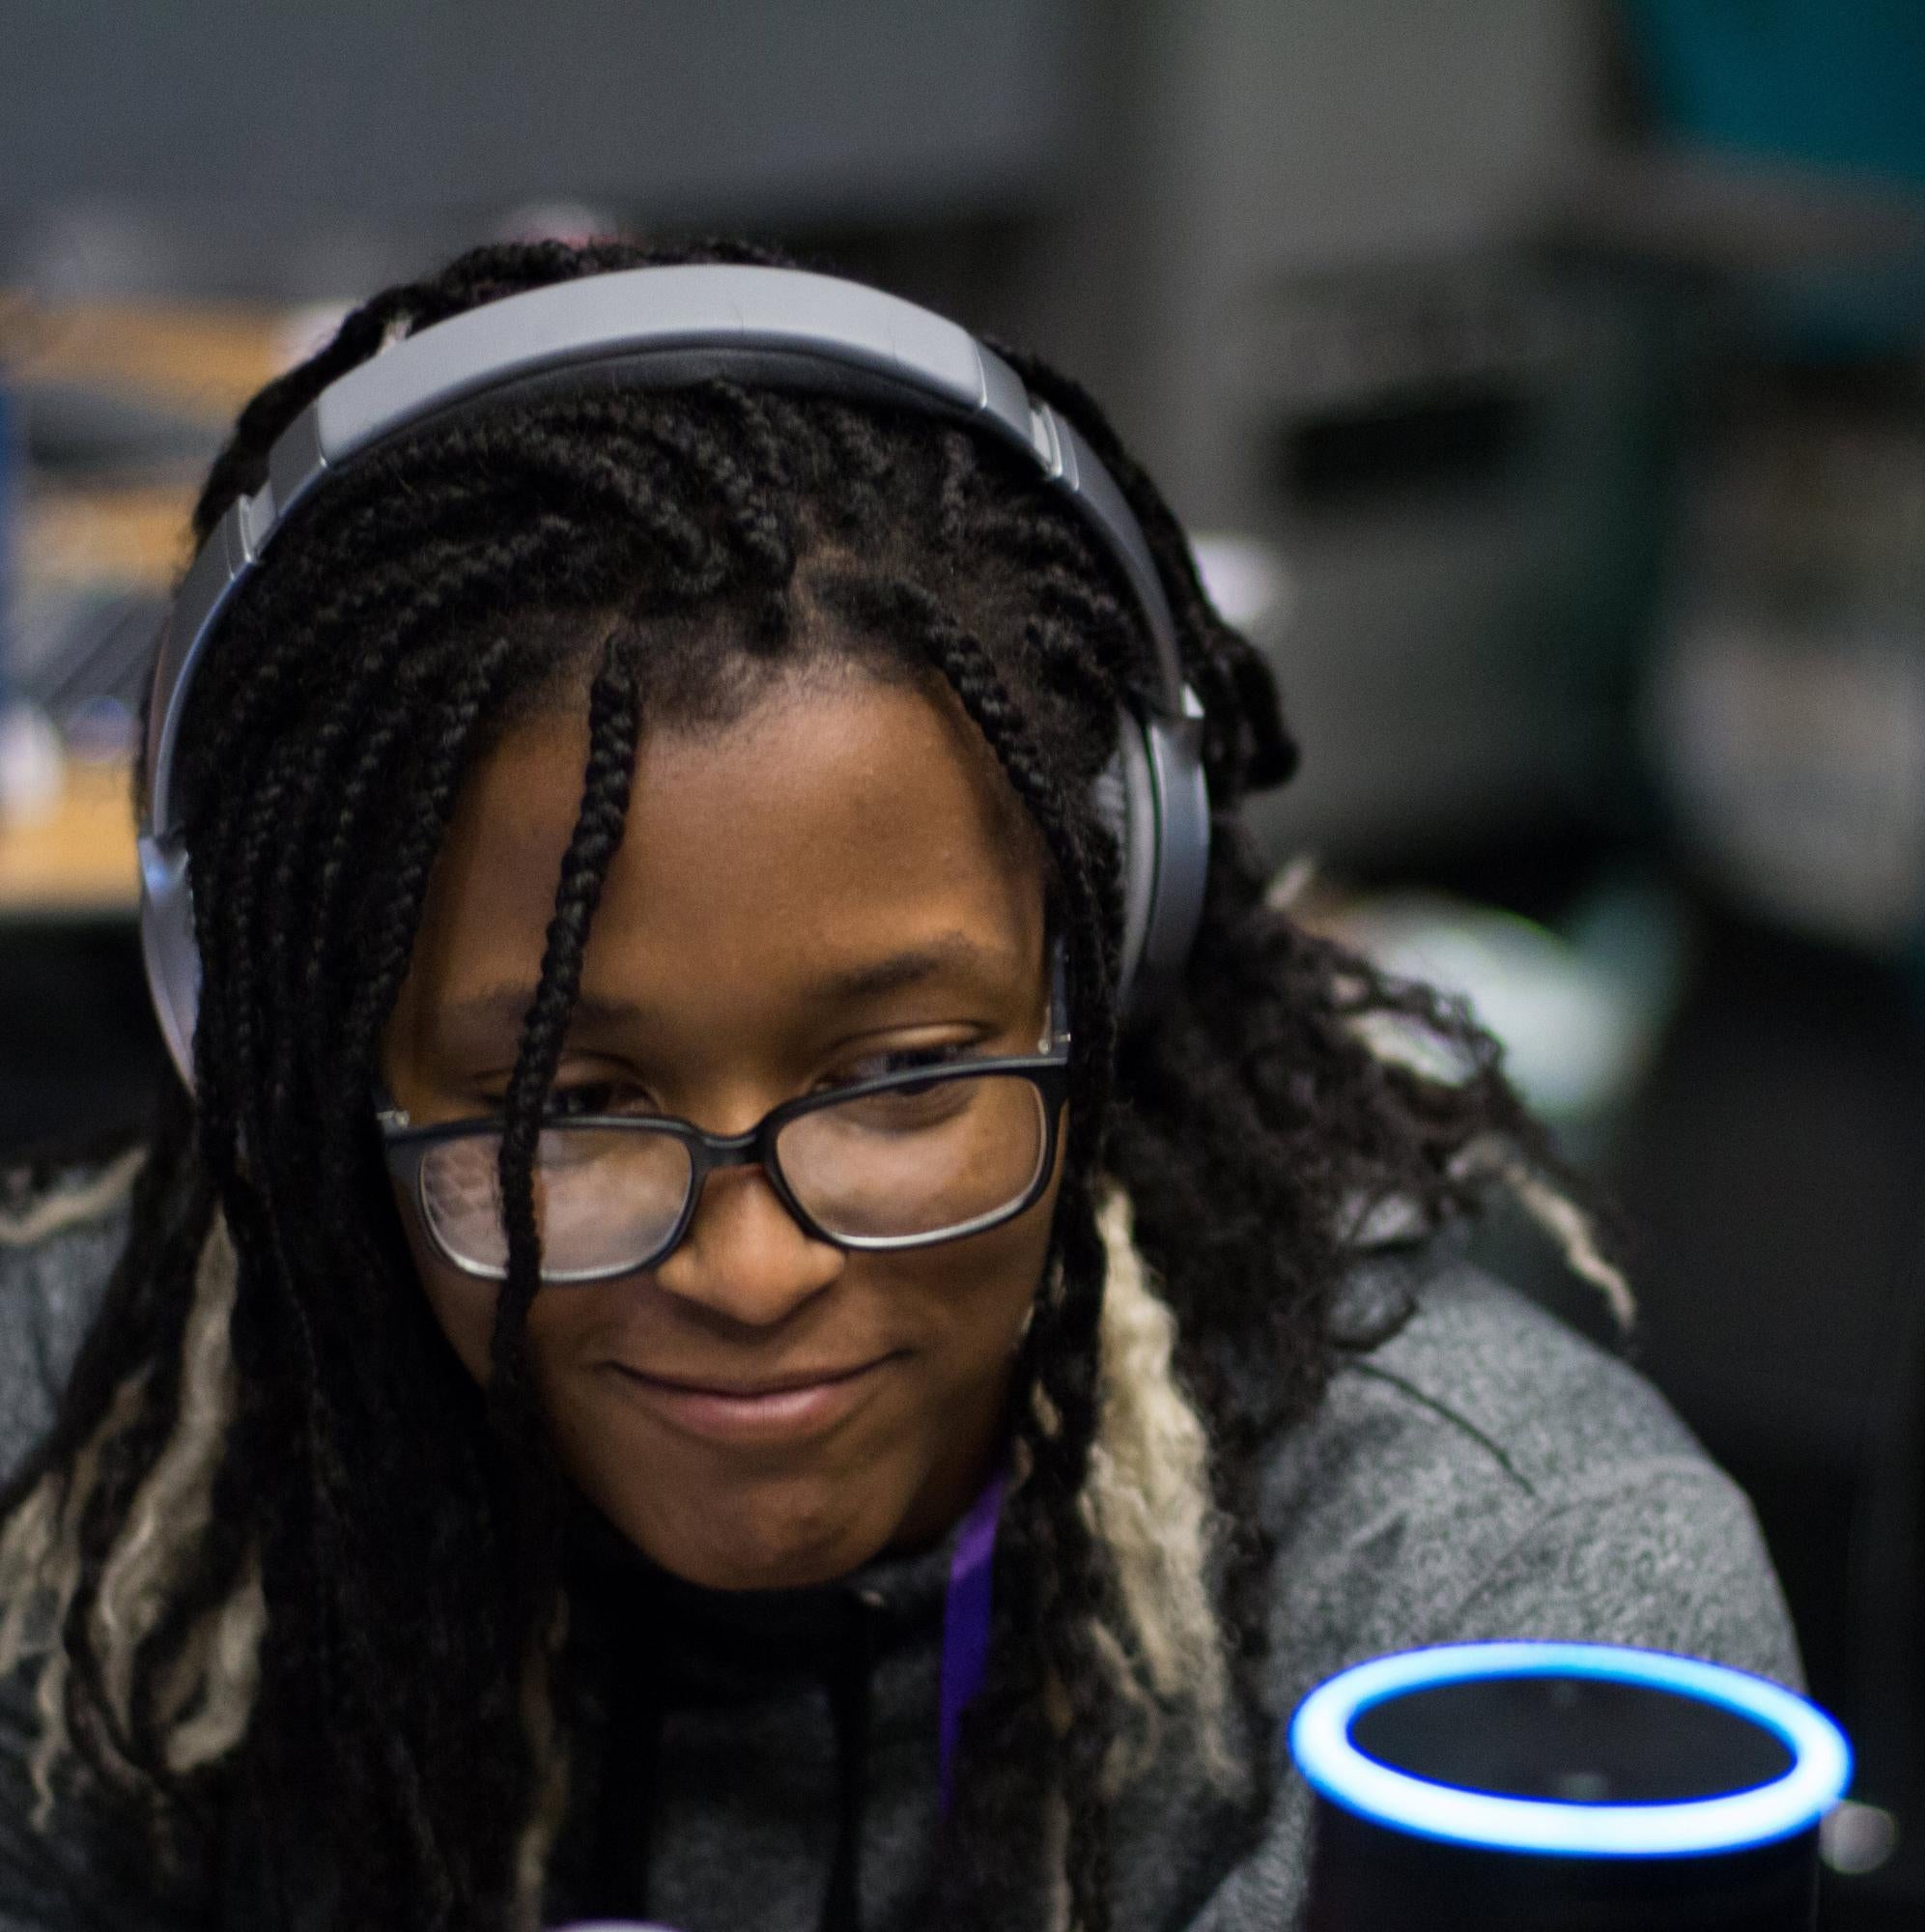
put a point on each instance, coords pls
(462, 1306)
(971, 1302)
(968, 1307)
(466, 1311)
(978, 1296)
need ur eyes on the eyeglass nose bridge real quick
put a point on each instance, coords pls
(710, 1153)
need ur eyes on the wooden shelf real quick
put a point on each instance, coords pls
(77, 860)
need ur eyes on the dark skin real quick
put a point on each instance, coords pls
(838, 876)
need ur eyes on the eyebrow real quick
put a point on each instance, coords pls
(946, 952)
(502, 1009)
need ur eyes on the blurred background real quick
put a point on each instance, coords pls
(1542, 381)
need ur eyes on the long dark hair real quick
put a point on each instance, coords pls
(654, 551)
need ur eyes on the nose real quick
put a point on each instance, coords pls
(745, 1256)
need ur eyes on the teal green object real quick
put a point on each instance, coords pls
(1833, 86)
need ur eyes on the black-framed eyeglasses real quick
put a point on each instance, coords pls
(904, 1160)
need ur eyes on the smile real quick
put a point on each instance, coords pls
(782, 1409)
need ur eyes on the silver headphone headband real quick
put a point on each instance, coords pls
(664, 327)
(659, 327)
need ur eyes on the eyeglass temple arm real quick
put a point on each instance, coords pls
(388, 1117)
(1055, 1028)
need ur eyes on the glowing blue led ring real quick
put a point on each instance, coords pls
(1321, 1743)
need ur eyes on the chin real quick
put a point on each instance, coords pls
(731, 1571)
(767, 1563)
(771, 1543)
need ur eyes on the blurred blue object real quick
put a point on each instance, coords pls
(1545, 1791)
(1508, 1787)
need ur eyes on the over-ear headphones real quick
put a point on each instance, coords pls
(664, 328)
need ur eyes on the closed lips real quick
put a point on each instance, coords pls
(783, 1384)
(775, 1410)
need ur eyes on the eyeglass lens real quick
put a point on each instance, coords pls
(910, 1162)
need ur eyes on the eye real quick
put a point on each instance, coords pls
(897, 1059)
(584, 1097)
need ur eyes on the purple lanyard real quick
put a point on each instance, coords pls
(966, 1621)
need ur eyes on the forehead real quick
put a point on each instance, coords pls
(837, 819)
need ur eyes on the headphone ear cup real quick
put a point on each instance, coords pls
(1125, 801)
(167, 948)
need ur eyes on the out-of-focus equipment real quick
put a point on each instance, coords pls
(1563, 1788)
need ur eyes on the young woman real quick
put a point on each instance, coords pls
(724, 1327)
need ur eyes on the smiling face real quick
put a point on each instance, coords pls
(837, 878)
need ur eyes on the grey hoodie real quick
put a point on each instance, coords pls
(1485, 1473)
